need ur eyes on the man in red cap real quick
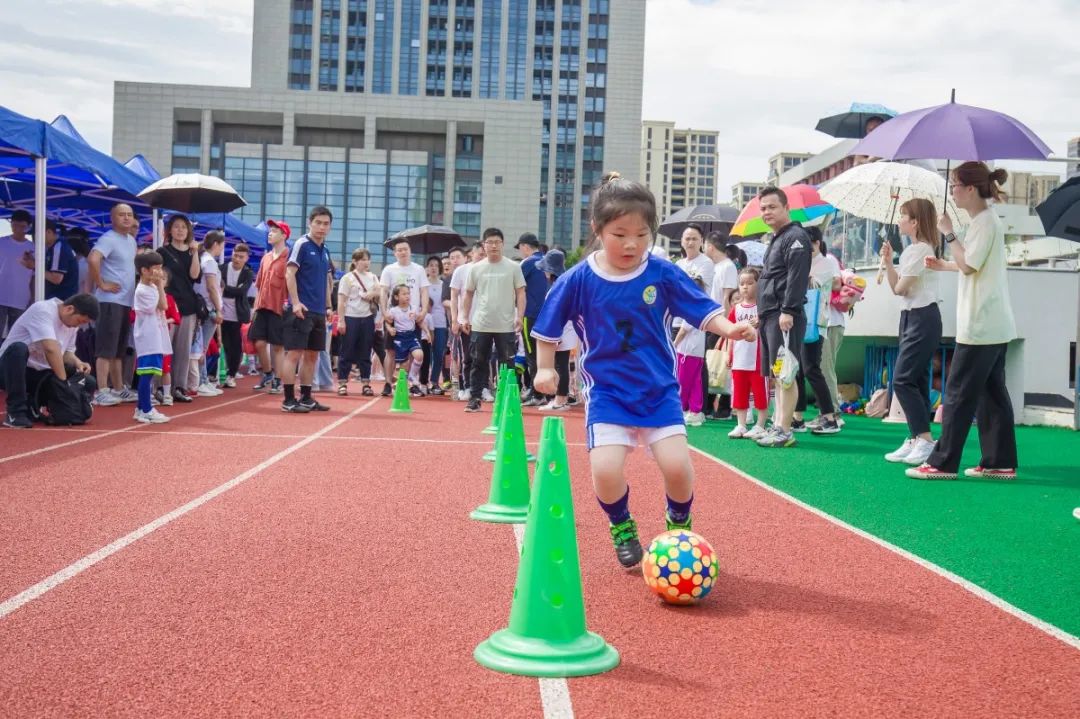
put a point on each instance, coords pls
(271, 293)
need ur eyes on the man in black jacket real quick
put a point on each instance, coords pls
(236, 278)
(781, 295)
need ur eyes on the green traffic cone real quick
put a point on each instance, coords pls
(401, 395)
(509, 397)
(547, 635)
(508, 498)
(496, 411)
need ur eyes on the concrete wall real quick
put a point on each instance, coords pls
(1044, 303)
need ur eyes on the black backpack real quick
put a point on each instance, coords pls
(65, 402)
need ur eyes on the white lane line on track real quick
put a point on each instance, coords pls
(72, 570)
(975, 589)
(256, 435)
(106, 432)
(554, 693)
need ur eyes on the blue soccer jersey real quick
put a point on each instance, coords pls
(313, 263)
(627, 361)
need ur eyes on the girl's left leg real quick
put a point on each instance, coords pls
(613, 494)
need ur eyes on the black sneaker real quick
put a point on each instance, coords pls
(437, 391)
(722, 416)
(572, 400)
(313, 405)
(797, 425)
(291, 405)
(180, 395)
(627, 545)
(473, 405)
(387, 390)
(275, 386)
(535, 400)
(827, 426)
(265, 383)
(415, 391)
(17, 421)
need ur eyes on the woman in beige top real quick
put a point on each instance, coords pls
(975, 387)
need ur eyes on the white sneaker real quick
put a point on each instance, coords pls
(920, 452)
(695, 419)
(230, 382)
(167, 400)
(463, 395)
(105, 398)
(755, 433)
(902, 452)
(739, 432)
(126, 395)
(552, 407)
(486, 395)
(151, 417)
(205, 390)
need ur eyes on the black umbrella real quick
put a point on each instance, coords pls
(428, 239)
(852, 124)
(192, 193)
(710, 217)
(1060, 212)
(1060, 215)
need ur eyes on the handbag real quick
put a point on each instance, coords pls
(202, 310)
(718, 363)
(812, 309)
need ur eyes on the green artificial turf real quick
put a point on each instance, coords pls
(1017, 539)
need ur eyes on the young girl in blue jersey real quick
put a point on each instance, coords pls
(620, 300)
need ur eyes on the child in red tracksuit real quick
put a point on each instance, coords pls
(746, 377)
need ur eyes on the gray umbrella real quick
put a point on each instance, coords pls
(428, 239)
(710, 217)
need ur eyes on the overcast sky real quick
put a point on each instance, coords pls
(759, 71)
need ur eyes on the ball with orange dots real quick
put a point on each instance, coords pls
(680, 567)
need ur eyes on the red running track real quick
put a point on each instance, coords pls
(346, 580)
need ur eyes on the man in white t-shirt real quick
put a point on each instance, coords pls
(408, 273)
(40, 343)
(16, 271)
(724, 283)
(112, 274)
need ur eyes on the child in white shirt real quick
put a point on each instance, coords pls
(401, 326)
(690, 358)
(150, 332)
(746, 377)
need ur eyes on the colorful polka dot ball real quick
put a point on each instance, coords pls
(680, 567)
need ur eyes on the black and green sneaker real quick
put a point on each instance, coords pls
(672, 524)
(627, 546)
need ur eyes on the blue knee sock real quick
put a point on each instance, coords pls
(145, 381)
(679, 511)
(619, 510)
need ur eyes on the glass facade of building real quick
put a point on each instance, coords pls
(355, 45)
(490, 31)
(329, 39)
(382, 70)
(517, 38)
(409, 53)
(464, 27)
(438, 17)
(592, 157)
(369, 201)
(301, 27)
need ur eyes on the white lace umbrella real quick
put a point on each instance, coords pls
(192, 193)
(876, 190)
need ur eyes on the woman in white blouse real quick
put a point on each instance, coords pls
(920, 326)
(984, 327)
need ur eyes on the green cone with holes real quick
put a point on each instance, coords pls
(496, 410)
(547, 635)
(400, 402)
(510, 396)
(508, 498)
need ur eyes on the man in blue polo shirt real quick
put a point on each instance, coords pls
(536, 287)
(308, 278)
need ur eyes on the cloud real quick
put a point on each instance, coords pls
(762, 73)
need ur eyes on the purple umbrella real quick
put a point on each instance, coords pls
(953, 132)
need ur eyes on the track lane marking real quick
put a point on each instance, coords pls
(956, 579)
(108, 432)
(72, 570)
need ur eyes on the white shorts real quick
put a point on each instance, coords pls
(603, 435)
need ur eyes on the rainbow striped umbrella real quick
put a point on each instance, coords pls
(803, 200)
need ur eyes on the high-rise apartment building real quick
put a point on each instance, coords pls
(1030, 189)
(784, 161)
(743, 192)
(395, 113)
(678, 165)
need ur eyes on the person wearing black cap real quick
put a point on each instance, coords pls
(536, 287)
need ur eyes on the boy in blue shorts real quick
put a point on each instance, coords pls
(620, 300)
